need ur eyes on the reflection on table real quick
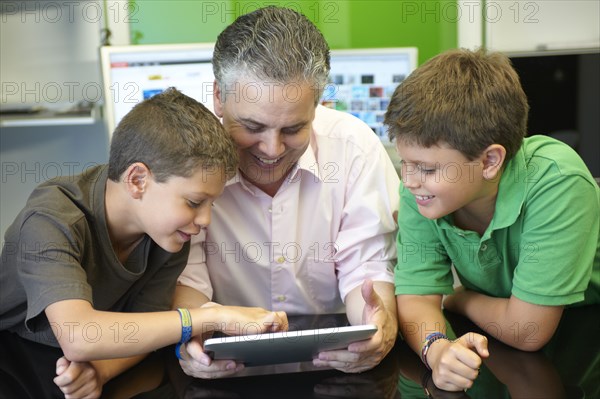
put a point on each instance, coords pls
(568, 367)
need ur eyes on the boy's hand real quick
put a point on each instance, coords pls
(455, 364)
(77, 379)
(239, 320)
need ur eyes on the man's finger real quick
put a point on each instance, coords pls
(194, 350)
(368, 293)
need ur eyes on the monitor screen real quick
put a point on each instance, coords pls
(133, 73)
(363, 80)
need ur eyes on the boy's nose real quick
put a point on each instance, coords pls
(410, 177)
(202, 218)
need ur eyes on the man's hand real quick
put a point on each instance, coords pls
(364, 355)
(196, 363)
(77, 379)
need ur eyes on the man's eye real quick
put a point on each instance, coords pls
(253, 129)
(291, 131)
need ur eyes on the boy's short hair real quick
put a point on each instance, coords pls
(466, 99)
(173, 135)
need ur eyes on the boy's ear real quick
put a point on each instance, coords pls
(493, 159)
(136, 178)
(217, 97)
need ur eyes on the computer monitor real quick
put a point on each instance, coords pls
(363, 80)
(133, 73)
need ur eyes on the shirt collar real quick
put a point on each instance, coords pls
(308, 161)
(511, 191)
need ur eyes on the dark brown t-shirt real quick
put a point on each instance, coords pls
(58, 248)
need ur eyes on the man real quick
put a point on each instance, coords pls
(307, 224)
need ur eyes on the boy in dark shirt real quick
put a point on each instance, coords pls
(90, 264)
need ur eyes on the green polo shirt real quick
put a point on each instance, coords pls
(541, 246)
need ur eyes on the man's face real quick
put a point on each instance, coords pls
(271, 124)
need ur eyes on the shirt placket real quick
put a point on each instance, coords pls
(282, 251)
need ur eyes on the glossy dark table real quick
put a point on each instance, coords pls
(568, 367)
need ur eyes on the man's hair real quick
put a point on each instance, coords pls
(275, 45)
(466, 99)
(173, 135)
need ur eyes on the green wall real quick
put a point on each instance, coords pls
(178, 21)
(429, 25)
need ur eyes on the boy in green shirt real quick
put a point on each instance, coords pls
(517, 217)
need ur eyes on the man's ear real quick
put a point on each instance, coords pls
(217, 100)
(136, 178)
(493, 159)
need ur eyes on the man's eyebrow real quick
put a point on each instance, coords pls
(297, 125)
(260, 124)
(251, 121)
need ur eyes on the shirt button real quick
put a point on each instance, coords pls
(270, 210)
(483, 247)
(281, 259)
(281, 298)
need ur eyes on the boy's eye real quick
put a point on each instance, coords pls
(193, 204)
(426, 170)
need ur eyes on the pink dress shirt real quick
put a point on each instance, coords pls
(328, 228)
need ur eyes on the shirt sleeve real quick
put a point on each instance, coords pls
(558, 242)
(49, 266)
(365, 242)
(423, 266)
(195, 275)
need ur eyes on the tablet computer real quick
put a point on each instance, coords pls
(298, 344)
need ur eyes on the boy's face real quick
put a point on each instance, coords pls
(271, 125)
(442, 179)
(179, 208)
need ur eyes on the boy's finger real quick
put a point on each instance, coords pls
(478, 343)
(61, 365)
(481, 346)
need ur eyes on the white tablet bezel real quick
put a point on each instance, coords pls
(287, 346)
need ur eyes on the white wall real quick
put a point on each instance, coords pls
(48, 56)
(513, 26)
